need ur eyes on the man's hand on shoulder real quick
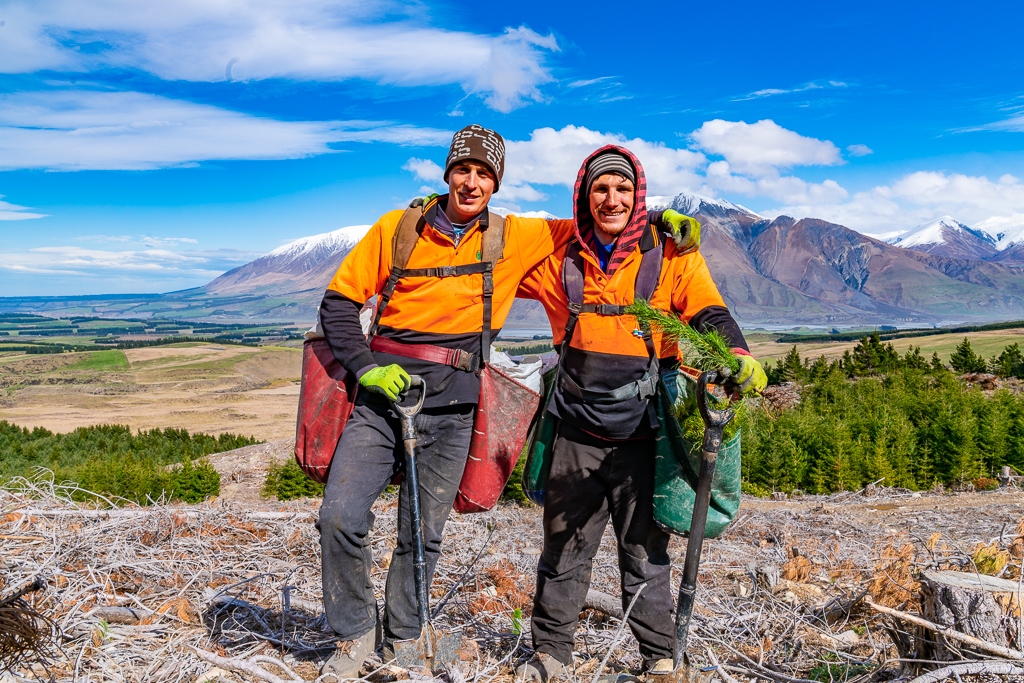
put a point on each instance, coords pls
(685, 231)
(422, 201)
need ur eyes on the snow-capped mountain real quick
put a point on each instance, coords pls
(689, 203)
(947, 236)
(307, 263)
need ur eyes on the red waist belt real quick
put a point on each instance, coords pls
(456, 358)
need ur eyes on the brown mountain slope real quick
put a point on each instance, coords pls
(838, 265)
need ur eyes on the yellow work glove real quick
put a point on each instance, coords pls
(685, 231)
(750, 379)
(390, 380)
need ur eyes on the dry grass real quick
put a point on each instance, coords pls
(198, 387)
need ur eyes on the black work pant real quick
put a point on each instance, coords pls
(591, 480)
(369, 453)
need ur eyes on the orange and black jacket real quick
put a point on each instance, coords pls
(444, 312)
(606, 352)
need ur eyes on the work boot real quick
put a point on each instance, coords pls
(348, 658)
(662, 667)
(541, 668)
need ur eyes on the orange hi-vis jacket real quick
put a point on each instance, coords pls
(442, 311)
(606, 352)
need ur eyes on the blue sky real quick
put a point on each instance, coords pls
(147, 147)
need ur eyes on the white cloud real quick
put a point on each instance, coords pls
(755, 153)
(554, 157)
(424, 169)
(85, 129)
(318, 40)
(764, 147)
(859, 150)
(922, 196)
(13, 212)
(72, 260)
(789, 189)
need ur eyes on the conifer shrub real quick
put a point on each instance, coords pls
(113, 462)
(287, 481)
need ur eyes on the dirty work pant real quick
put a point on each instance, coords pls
(591, 480)
(369, 453)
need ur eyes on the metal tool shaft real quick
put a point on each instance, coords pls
(412, 481)
(714, 428)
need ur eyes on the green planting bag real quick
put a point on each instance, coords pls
(539, 445)
(677, 466)
(676, 463)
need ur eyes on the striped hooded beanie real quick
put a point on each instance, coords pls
(584, 221)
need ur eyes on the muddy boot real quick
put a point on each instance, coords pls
(541, 668)
(662, 667)
(348, 658)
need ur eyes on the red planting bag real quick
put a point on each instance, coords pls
(503, 418)
(325, 404)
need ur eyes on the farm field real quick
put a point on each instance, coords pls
(201, 387)
(986, 343)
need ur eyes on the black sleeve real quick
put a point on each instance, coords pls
(339, 318)
(719, 318)
(656, 219)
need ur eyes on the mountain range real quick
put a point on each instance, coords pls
(769, 271)
(780, 271)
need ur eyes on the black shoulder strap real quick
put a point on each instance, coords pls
(491, 251)
(410, 227)
(573, 281)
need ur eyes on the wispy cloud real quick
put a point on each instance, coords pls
(322, 40)
(588, 81)
(148, 240)
(769, 92)
(73, 260)
(13, 212)
(859, 150)
(102, 130)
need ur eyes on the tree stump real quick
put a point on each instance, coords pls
(981, 606)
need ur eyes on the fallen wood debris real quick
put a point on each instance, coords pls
(970, 669)
(950, 633)
(218, 590)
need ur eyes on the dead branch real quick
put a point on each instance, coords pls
(236, 664)
(969, 669)
(999, 650)
(604, 603)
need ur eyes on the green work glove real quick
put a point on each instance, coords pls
(751, 378)
(390, 380)
(685, 230)
(422, 201)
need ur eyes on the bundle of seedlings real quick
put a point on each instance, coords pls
(701, 351)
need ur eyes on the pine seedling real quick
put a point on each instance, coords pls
(701, 350)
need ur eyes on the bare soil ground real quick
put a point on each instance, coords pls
(198, 387)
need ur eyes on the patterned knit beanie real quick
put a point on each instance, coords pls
(479, 144)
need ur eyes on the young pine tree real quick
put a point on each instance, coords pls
(965, 360)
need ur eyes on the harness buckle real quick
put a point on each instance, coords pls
(464, 360)
(446, 271)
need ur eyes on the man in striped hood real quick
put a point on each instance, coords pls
(603, 455)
